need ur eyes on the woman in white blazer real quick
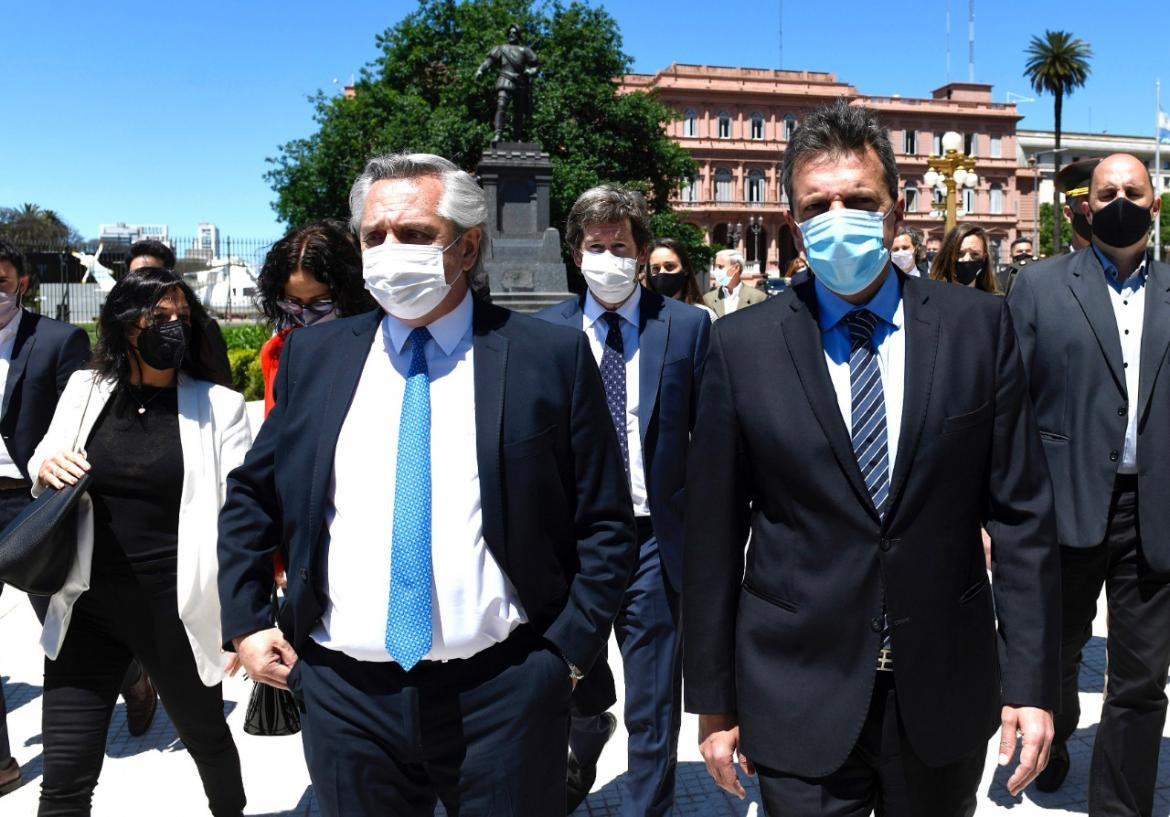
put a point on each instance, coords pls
(158, 441)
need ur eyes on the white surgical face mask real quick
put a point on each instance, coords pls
(611, 279)
(721, 276)
(903, 259)
(407, 280)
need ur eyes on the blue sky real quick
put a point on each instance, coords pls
(165, 112)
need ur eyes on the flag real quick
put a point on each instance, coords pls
(1163, 127)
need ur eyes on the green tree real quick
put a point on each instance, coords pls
(1164, 225)
(31, 226)
(1046, 230)
(1057, 64)
(420, 94)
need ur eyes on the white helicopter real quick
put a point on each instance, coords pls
(102, 275)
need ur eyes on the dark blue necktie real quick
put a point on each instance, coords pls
(613, 376)
(408, 620)
(869, 408)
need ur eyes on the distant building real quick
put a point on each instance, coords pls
(736, 123)
(206, 242)
(123, 233)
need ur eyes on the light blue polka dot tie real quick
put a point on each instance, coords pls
(408, 621)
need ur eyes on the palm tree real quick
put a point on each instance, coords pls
(1056, 65)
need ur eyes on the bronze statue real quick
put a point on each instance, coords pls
(517, 64)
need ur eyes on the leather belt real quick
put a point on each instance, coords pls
(14, 484)
(885, 660)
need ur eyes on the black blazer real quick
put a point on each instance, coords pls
(672, 342)
(556, 510)
(1071, 350)
(790, 645)
(45, 353)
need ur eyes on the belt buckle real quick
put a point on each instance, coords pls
(885, 660)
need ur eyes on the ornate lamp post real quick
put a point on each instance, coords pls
(756, 223)
(953, 169)
(734, 234)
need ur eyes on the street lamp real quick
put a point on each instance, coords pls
(734, 234)
(757, 223)
(954, 170)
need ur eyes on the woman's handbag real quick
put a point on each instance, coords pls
(272, 712)
(39, 546)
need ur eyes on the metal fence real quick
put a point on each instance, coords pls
(70, 282)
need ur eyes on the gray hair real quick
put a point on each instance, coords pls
(839, 129)
(462, 203)
(606, 204)
(733, 257)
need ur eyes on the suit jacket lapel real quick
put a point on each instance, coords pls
(653, 333)
(1087, 283)
(803, 337)
(921, 325)
(347, 363)
(22, 347)
(1155, 332)
(490, 355)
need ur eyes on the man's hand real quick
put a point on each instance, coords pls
(266, 656)
(1035, 727)
(719, 742)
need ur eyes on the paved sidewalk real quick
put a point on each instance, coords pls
(152, 775)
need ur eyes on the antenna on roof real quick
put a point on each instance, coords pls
(948, 41)
(970, 40)
(780, 3)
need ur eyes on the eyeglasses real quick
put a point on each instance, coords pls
(305, 314)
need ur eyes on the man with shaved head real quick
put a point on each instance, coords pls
(1094, 327)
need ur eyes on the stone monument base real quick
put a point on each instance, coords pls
(523, 260)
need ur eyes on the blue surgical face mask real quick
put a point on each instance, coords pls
(846, 248)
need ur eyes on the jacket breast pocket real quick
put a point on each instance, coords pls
(530, 446)
(969, 419)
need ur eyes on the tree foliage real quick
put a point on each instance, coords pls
(32, 226)
(1046, 221)
(420, 94)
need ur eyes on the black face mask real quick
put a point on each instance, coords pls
(1121, 223)
(930, 254)
(668, 284)
(163, 345)
(1021, 259)
(967, 271)
(1081, 226)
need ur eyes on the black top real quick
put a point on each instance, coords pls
(137, 468)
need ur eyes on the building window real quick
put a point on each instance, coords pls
(936, 148)
(996, 147)
(690, 123)
(789, 126)
(690, 190)
(755, 186)
(970, 143)
(757, 126)
(911, 197)
(969, 199)
(722, 184)
(724, 125)
(910, 142)
(996, 199)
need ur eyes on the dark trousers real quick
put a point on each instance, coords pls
(648, 635)
(882, 775)
(485, 735)
(119, 616)
(12, 502)
(1125, 753)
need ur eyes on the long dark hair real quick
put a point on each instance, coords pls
(943, 267)
(689, 294)
(327, 250)
(135, 296)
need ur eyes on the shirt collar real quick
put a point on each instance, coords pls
(1136, 279)
(628, 310)
(831, 307)
(446, 331)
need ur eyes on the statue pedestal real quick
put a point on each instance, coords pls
(523, 261)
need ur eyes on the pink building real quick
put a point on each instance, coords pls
(736, 122)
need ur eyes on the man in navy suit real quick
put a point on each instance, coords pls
(447, 493)
(37, 356)
(650, 351)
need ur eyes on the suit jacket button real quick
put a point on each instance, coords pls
(305, 573)
(1121, 412)
(885, 545)
(875, 624)
(1113, 456)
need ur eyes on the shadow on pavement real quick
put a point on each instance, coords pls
(304, 807)
(694, 794)
(161, 737)
(17, 694)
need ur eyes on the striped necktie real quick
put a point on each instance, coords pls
(869, 408)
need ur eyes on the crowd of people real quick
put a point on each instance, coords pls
(866, 551)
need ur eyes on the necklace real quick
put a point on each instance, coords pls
(142, 404)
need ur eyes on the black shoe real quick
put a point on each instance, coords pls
(10, 777)
(1056, 771)
(580, 778)
(141, 703)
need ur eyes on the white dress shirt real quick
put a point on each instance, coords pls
(1129, 307)
(731, 298)
(597, 329)
(7, 341)
(890, 341)
(473, 604)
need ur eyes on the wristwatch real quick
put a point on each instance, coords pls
(574, 673)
